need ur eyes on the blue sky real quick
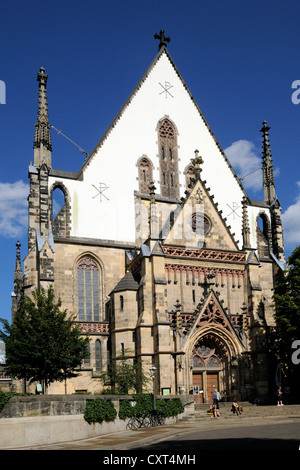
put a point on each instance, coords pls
(239, 60)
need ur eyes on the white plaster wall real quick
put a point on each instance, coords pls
(253, 212)
(135, 135)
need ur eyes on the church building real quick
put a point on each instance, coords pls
(157, 250)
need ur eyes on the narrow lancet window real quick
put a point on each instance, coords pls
(145, 174)
(168, 157)
(88, 290)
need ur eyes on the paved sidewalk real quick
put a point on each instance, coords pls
(142, 438)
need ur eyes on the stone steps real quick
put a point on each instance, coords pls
(250, 410)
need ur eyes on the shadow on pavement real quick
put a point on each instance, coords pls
(226, 444)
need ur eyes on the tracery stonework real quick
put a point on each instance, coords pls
(93, 327)
(212, 314)
(186, 318)
(196, 274)
(205, 356)
(210, 351)
(219, 255)
(168, 157)
(88, 290)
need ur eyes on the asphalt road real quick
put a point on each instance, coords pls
(266, 437)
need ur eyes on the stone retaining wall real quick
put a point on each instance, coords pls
(48, 419)
(34, 431)
(50, 405)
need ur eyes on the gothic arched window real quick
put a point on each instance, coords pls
(86, 360)
(189, 175)
(98, 355)
(168, 158)
(60, 208)
(145, 174)
(263, 236)
(206, 356)
(88, 275)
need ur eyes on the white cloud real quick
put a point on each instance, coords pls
(13, 209)
(291, 222)
(242, 155)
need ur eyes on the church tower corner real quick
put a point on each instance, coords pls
(39, 263)
(17, 293)
(42, 137)
(270, 196)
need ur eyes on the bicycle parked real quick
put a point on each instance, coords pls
(136, 422)
(145, 421)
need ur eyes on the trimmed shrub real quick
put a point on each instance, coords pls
(126, 409)
(144, 405)
(169, 407)
(99, 410)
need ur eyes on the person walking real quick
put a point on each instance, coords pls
(279, 397)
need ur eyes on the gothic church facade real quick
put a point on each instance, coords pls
(157, 249)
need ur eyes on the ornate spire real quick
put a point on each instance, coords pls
(246, 227)
(42, 138)
(267, 166)
(162, 39)
(178, 319)
(18, 281)
(270, 196)
(18, 258)
(153, 220)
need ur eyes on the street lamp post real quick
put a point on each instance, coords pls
(153, 375)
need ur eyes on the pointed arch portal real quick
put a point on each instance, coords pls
(213, 363)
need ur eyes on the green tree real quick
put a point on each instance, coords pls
(43, 344)
(124, 375)
(287, 315)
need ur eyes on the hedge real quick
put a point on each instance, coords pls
(99, 410)
(144, 405)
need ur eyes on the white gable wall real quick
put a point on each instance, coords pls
(253, 214)
(134, 135)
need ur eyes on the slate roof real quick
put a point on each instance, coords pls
(128, 282)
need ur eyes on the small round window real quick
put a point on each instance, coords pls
(202, 224)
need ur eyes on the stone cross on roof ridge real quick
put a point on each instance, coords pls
(162, 39)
